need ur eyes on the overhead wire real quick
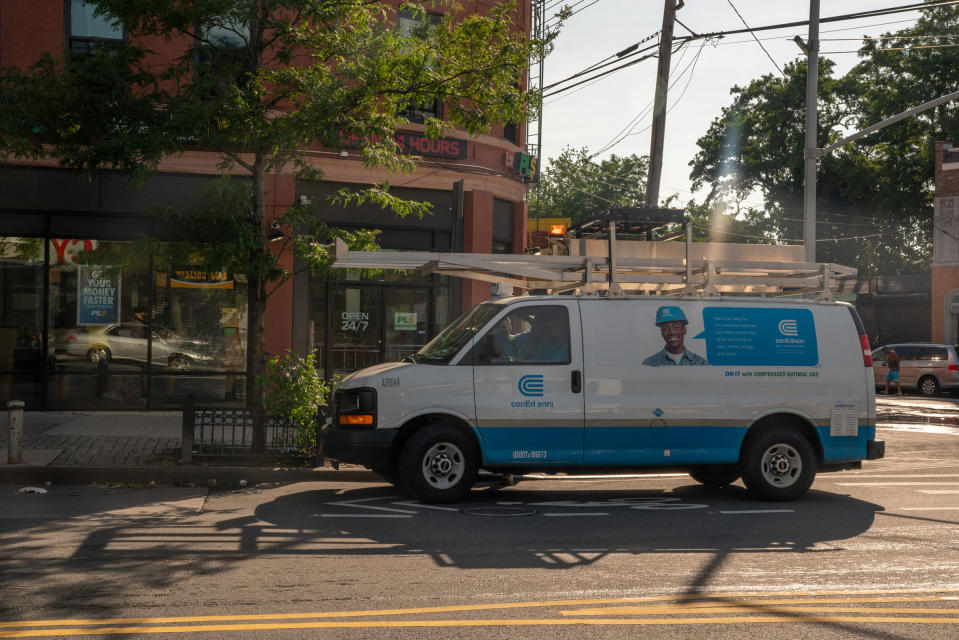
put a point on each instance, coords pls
(753, 30)
(753, 34)
(616, 139)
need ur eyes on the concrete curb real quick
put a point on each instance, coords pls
(178, 476)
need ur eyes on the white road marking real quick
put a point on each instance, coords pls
(939, 492)
(413, 503)
(593, 513)
(355, 504)
(360, 515)
(896, 484)
(750, 511)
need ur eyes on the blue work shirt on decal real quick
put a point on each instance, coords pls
(662, 359)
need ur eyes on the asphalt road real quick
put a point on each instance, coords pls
(867, 554)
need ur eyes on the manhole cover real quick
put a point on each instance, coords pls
(500, 512)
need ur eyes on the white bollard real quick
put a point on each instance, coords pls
(15, 445)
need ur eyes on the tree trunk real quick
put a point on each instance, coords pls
(256, 342)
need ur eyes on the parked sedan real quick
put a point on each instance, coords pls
(928, 368)
(126, 342)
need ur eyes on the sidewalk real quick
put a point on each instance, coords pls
(135, 447)
(85, 447)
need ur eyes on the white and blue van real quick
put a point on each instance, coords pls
(769, 390)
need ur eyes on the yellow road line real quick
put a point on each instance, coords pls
(750, 608)
(690, 600)
(691, 607)
(408, 624)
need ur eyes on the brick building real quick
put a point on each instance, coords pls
(67, 331)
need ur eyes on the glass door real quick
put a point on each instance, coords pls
(406, 321)
(356, 335)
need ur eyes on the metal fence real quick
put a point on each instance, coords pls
(228, 432)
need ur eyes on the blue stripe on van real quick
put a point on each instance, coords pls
(845, 448)
(625, 446)
(533, 445)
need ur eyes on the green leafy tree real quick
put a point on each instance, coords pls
(874, 196)
(259, 82)
(577, 187)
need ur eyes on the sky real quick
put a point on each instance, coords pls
(592, 115)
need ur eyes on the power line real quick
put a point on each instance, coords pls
(912, 48)
(752, 30)
(775, 64)
(616, 139)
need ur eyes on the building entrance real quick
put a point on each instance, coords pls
(367, 324)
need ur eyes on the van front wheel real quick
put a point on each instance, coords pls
(778, 464)
(438, 464)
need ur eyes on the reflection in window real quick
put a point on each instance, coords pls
(22, 354)
(417, 24)
(87, 29)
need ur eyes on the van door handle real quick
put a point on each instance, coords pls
(576, 382)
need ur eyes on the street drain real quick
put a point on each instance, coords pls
(500, 512)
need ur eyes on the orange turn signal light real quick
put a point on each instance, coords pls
(356, 419)
(557, 230)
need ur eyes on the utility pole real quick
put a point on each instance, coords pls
(659, 105)
(811, 154)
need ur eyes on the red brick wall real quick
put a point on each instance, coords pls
(947, 182)
(28, 28)
(944, 278)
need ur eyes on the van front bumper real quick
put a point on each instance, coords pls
(875, 449)
(368, 448)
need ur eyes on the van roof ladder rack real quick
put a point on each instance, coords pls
(613, 276)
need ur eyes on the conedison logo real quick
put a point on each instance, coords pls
(788, 327)
(531, 386)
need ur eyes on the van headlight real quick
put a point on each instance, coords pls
(356, 407)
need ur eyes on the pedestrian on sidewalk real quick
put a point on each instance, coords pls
(892, 361)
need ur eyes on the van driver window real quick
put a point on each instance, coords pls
(531, 335)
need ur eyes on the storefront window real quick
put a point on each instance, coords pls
(407, 321)
(22, 359)
(131, 329)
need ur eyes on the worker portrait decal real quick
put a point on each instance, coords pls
(731, 336)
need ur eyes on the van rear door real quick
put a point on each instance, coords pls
(529, 400)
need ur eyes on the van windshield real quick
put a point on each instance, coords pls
(450, 340)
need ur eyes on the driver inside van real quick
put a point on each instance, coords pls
(528, 336)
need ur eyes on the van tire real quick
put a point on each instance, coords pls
(715, 477)
(778, 464)
(438, 464)
(928, 386)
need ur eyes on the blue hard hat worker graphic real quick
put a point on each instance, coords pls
(672, 326)
(670, 314)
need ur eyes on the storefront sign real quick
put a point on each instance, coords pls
(98, 295)
(404, 321)
(194, 279)
(441, 147)
(527, 166)
(355, 321)
(421, 145)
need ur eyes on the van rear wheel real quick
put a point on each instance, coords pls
(438, 464)
(715, 477)
(778, 464)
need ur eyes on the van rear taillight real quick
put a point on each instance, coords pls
(954, 367)
(863, 338)
(866, 351)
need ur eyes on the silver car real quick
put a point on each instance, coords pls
(127, 342)
(928, 368)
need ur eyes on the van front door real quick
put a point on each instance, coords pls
(527, 378)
